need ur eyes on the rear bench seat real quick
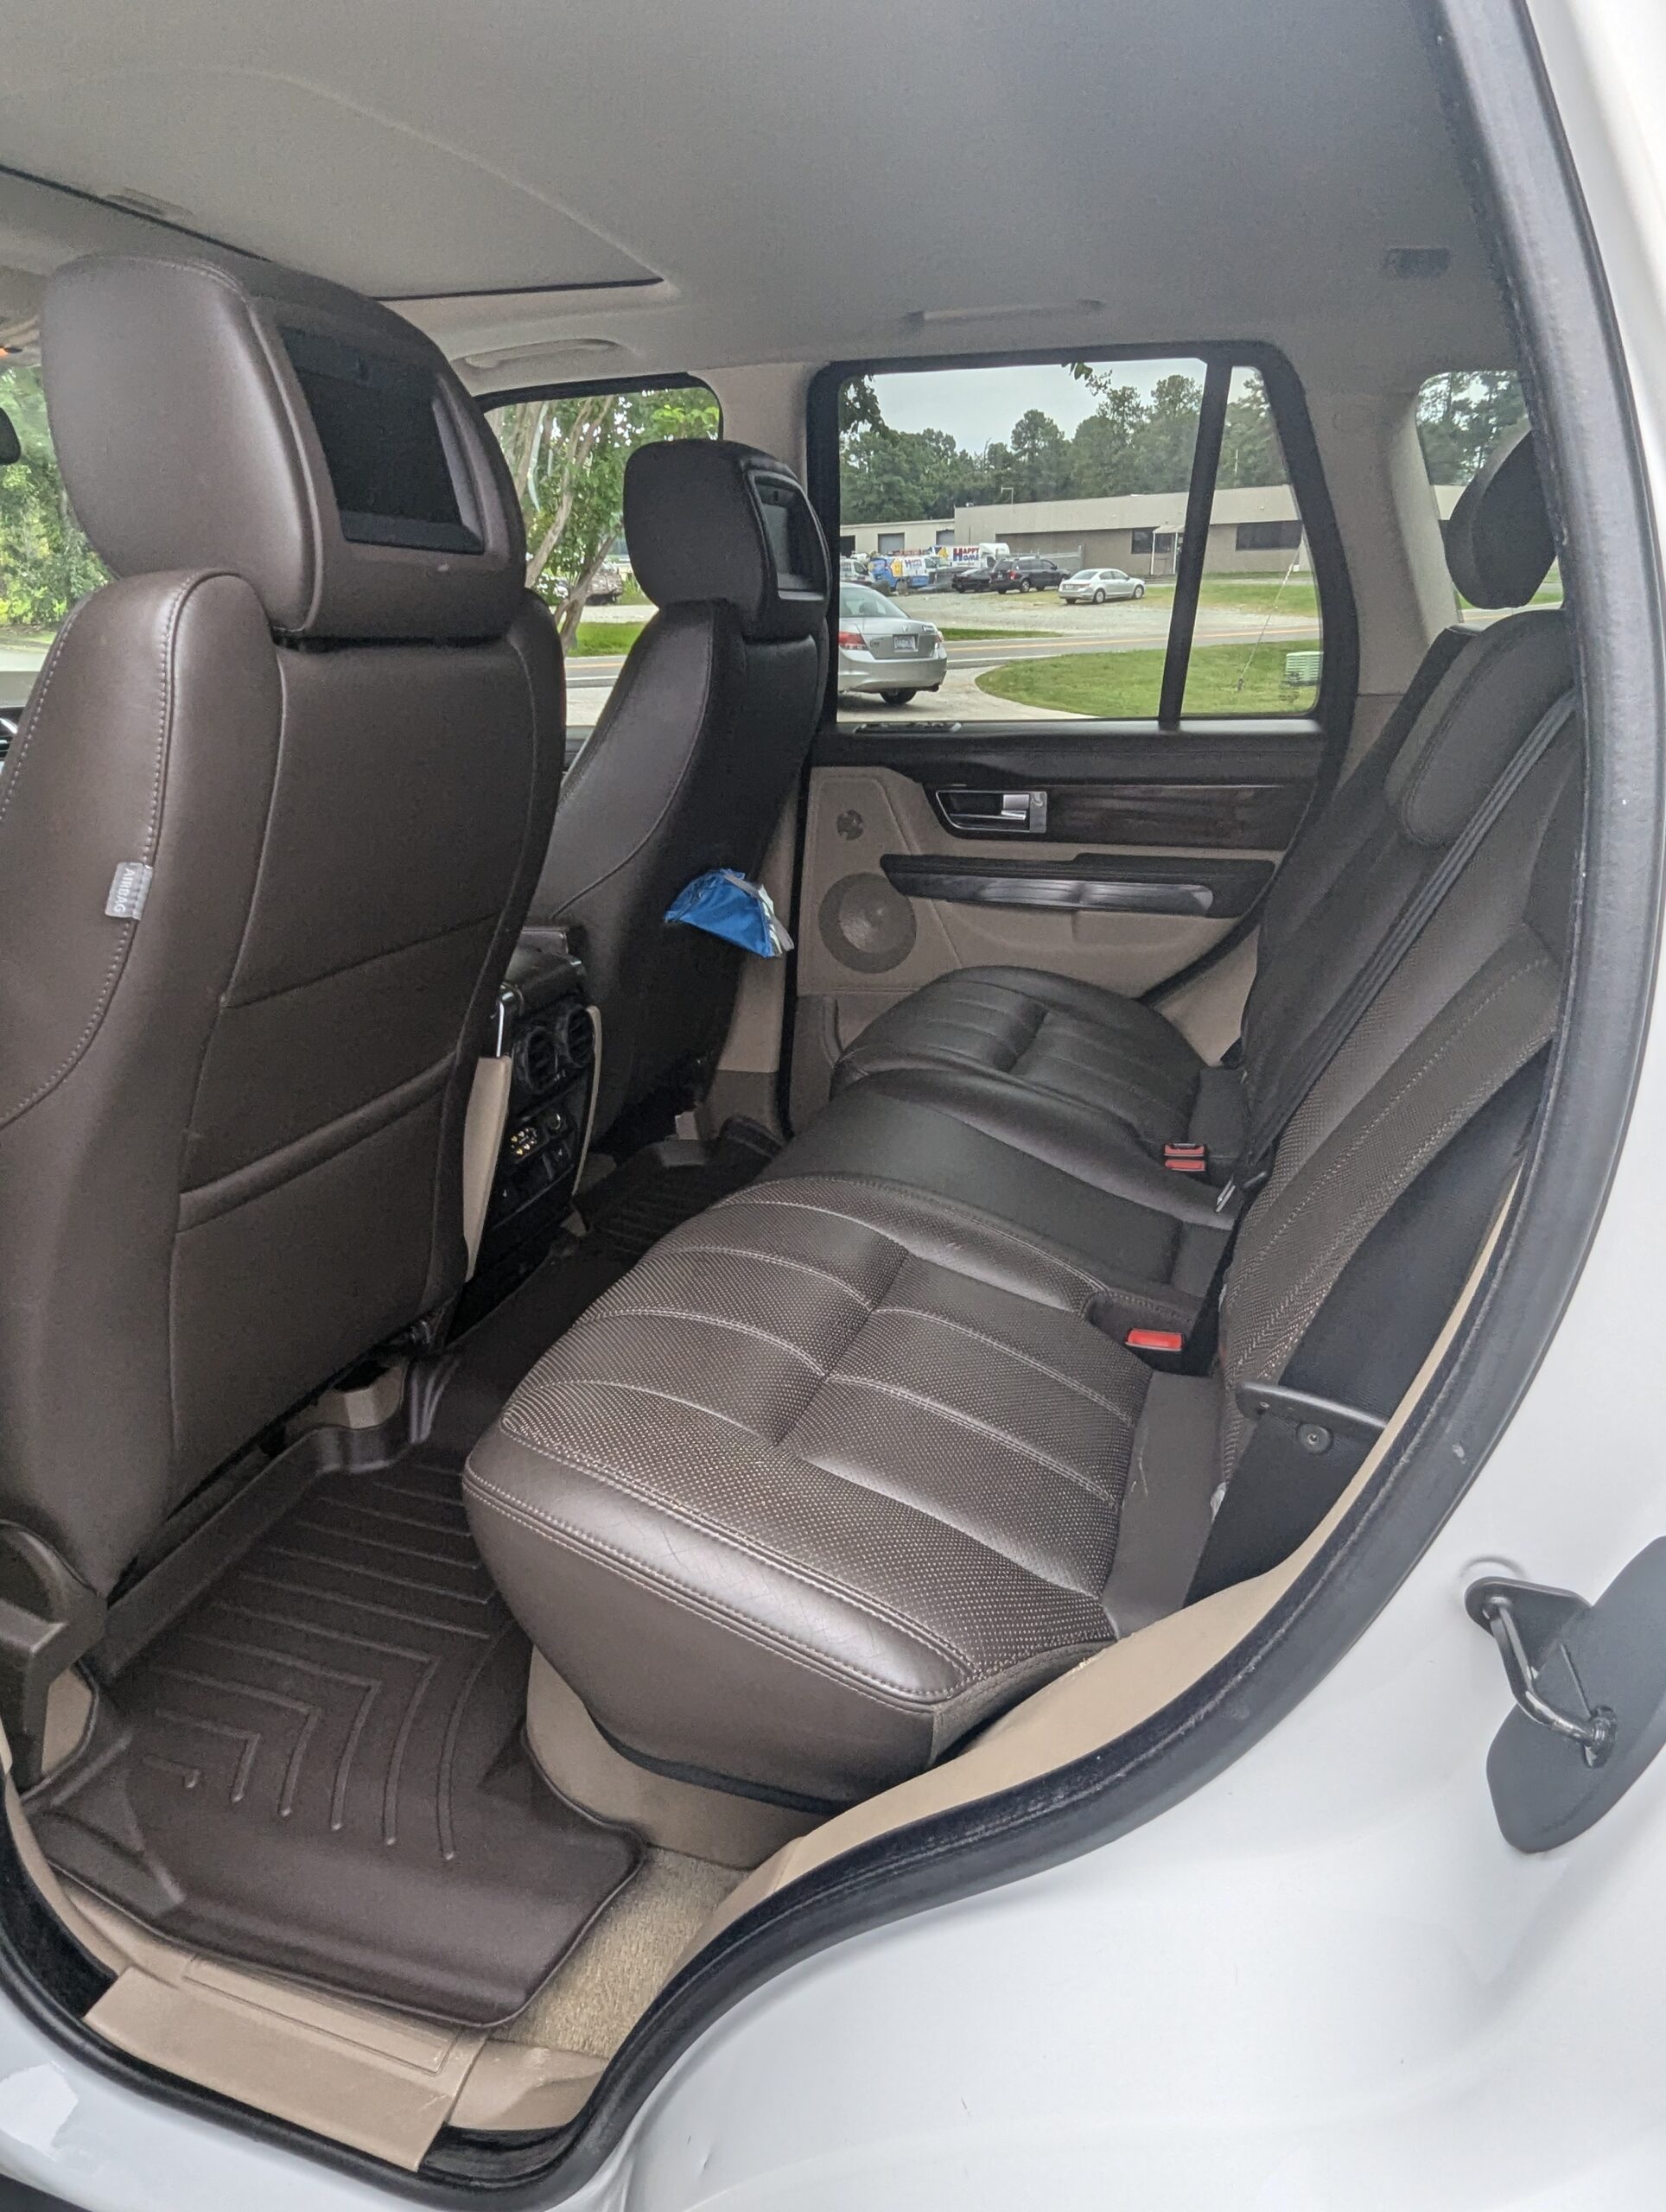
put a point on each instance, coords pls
(849, 1463)
(1036, 1040)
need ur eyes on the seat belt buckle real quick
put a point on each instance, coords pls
(1161, 1348)
(1186, 1158)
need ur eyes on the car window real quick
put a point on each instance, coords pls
(1259, 642)
(45, 563)
(1023, 469)
(567, 453)
(864, 605)
(1462, 414)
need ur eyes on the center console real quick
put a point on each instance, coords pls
(546, 1031)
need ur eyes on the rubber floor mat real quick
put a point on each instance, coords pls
(648, 1198)
(320, 1768)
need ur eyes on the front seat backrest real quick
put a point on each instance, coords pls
(691, 762)
(267, 835)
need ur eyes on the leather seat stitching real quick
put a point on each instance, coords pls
(1025, 1359)
(996, 1231)
(780, 1260)
(1424, 1067)
(974, 1422)
(641, 1389)
(703, 1607)
(748, 1547)
(1151, 1296)
(128, 930)
(1454, 1119)
(713, 1321)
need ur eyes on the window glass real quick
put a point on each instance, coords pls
(1462, 415)
(567, 456)
(974, 498)
(1257, 645)
(45, 563)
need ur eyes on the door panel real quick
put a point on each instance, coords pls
(1115, 857)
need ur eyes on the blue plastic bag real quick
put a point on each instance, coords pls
(728, 905)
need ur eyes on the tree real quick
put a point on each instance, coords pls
(1169, 435)
(1462, 415)
(45, 563)
(567, 457)
(1039, 456)
(1100, 462)
(1250, 452)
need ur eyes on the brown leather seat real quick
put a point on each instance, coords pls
(844, 1467)
(692, 763)
(849, 1462)
(267, 835)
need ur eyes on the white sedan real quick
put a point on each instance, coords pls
(1097, 585)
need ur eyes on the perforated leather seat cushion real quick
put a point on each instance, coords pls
(832, 1475)
(1043, 1034)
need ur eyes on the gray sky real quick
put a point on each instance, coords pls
(976, 406)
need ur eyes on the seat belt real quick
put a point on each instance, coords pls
(1305, 1067)
(1367, 1339)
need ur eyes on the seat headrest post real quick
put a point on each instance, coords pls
(707, 519)
(1499, 544)
(213, 411)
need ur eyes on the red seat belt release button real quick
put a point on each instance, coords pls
(1155, 1340)
(1186, 1158)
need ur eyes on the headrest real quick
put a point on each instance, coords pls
(215, 412)
(1483, 709)
(1498, 543)
(706, 519)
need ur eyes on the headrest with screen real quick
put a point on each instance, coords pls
(1499, 545)
(214, 412)
(707, 519)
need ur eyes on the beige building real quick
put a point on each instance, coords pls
(1250, 527)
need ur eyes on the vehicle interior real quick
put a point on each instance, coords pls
(529, 1432)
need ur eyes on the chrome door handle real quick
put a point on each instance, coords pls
(1022, 813)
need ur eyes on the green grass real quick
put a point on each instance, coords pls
(604, 637)
(960, 630)
(1234, 679)
(1255, 595)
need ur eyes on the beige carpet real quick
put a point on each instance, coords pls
(608, 1980)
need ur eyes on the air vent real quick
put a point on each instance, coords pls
(540, 1060)
(578, 1041)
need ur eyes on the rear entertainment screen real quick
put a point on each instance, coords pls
(376, 420)
(778, 502)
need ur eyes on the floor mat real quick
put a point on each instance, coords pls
(320, 1768)
(652, 1195)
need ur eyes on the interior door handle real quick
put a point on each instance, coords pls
(999, 813)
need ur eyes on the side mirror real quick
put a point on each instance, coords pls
(10, 450)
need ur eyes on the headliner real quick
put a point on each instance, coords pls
(557, 192)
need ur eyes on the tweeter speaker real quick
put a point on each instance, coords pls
(867, 926)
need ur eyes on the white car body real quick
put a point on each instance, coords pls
(1095, 586)
(1313, 1976)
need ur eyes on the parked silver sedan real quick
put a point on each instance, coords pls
(1097, 585)
(883, 649)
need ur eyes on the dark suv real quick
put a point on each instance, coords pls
(1027, 572)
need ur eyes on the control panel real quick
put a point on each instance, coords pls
(543, 1026)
